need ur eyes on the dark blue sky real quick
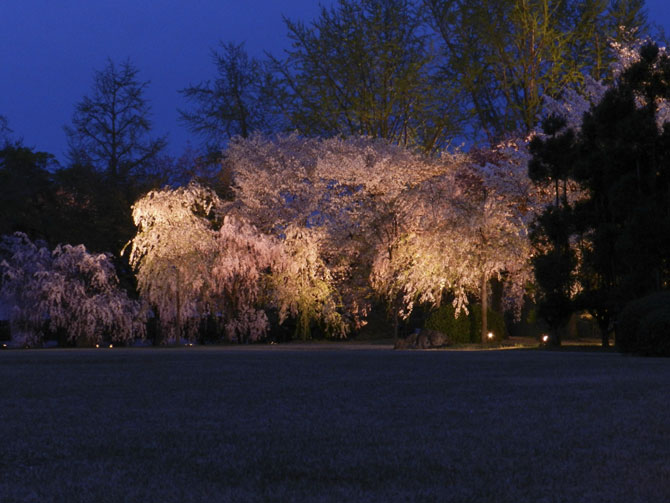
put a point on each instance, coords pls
(49, 49)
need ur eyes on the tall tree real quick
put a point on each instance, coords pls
(366, 68)
(616, 235)
(110, 134)
(554, 257)
(111, 127)
(239, 101)
(624, 150)
(508, 54)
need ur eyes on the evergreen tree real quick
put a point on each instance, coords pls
(28, 202)
(554, 259)
(614, 239)
(623, 164)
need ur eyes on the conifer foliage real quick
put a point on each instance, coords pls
(610, 244)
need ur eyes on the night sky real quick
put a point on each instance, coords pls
(49, 49)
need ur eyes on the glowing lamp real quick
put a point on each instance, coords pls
(111, 345)
(490, 335)
(97, 345)
(545, 338)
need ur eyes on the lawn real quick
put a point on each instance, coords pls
(332, 424)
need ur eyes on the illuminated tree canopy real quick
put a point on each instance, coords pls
(195, 259)
(413, 227)
(65, 289)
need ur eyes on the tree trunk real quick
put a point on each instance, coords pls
(485, 308)
(396, 325)
(603, 325)
(556, 335)
(177, 334)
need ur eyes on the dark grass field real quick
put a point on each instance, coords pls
(334, 424)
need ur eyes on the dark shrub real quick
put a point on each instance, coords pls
(654, 333)
(5, 334)
(466, 328)
(640, 325)
(443, 320)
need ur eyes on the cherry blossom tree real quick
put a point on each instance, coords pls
(415, 226)
(500, 205)
(236, 287)
(574, 102)
(170, 253)
(302, 284)
(65, 289)
(191, 263)
(351, 191)
(197, 257)
(464, 228)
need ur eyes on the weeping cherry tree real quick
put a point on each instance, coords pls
(66, 289)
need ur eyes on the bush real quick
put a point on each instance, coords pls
(643, 326)
(654, 333)
(443, 320)
(465, 329)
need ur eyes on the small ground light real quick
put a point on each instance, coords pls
(111, 345)
(490, 335)
(545, 338)
(97, 345)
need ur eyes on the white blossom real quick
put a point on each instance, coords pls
(409, 224)
(65, 289)
(197, 257)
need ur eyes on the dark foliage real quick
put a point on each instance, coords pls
(466, 328)
(242, 99)
(623, 164)
(29, 201)
(621, 230)
(111, 126)
(554, 260)
(644, 326)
